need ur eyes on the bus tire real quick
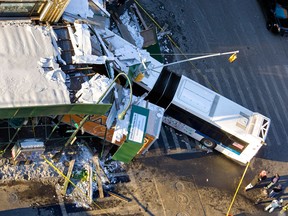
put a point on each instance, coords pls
(208, 143)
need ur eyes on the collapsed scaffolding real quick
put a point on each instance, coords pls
(79, 54)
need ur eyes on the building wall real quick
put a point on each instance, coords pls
(43, 10)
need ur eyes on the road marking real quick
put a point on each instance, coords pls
(232, 96)
(285, 92)
(165, 141)
(175, 139)
(260, 96)
(218, 86)
(186, 141)
(272, 102)
(160, 198)
(249, 94)
(238, 88)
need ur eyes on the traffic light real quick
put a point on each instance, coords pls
(232, 58)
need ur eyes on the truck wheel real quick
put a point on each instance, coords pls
(208, 143)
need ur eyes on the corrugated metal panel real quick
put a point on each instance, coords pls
(54, 10)
(34, 111)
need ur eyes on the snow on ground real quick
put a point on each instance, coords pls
(35, 171)
(128, 19)
(41, 170)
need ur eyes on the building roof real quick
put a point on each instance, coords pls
(29, 75)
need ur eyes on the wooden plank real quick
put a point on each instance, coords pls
(95, 160)
(140, 16)
(149, 36)
(90, 186)
(93, 128)
(71, 165)
(123, 29)
(94, 4)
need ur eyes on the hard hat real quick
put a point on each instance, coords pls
(281, 200)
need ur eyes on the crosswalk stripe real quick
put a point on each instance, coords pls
(278, 90)
(156, 144)
(272, 102)
(238, 88)
(232, 96)
(241, 73)
(175, 139)
(218, 86)
(185, 139)
(164, 138)
(263, 104)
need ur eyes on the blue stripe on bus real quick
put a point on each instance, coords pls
(218, 143)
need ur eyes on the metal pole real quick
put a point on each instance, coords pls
(57, 156)
(197, 58)
(232, 202)
(54, 128)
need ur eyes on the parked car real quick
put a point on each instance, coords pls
(276, 15)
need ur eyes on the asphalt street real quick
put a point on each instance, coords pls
(257, 79)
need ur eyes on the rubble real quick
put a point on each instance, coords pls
(92, 44)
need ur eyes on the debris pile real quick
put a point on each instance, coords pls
(81, 174)
(83, 185)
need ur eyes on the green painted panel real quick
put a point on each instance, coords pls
(136, 133)
(33, 111)
(126, 152)
(154, 51)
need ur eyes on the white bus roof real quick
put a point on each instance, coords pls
(220, 111)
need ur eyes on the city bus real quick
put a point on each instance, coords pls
(212, 119)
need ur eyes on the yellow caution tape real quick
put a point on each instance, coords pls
(66, 178)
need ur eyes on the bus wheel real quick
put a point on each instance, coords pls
(208, 143)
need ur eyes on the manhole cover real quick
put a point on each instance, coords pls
(182, 199)
(179, 186)
(12, 198)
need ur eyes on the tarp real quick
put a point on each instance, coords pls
(136, 134)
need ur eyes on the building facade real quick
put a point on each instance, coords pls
(44, 10)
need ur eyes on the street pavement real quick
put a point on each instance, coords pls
(257, 79)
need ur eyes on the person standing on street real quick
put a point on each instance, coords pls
(257, 179)
(264, 193)
(276, 191)
(274, 180)
(262, 196)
